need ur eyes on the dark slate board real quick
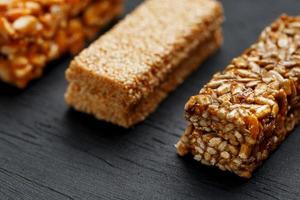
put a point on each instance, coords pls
(48, 151)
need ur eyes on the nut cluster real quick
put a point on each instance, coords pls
(252, 104)
(34, 32)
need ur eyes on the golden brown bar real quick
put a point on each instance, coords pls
(123, 76)
(34, 32)
(247, 110)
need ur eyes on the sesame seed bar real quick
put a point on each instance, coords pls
(34, 32)
(248, 109)
(123, 76)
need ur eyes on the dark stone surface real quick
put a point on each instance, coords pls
(48, 151)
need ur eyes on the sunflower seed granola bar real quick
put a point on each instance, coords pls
(34, 32)
(247, 110)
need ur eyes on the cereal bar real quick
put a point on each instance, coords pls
(34, 32)
(248, 109)
(124, 75)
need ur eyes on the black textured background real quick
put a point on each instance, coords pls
(48, 151)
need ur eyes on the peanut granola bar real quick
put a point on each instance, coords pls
(123, 76)
(34, 32)
(247, 110)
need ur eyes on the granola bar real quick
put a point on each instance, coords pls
(34, 32)
(123, 76)
(248, 109)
